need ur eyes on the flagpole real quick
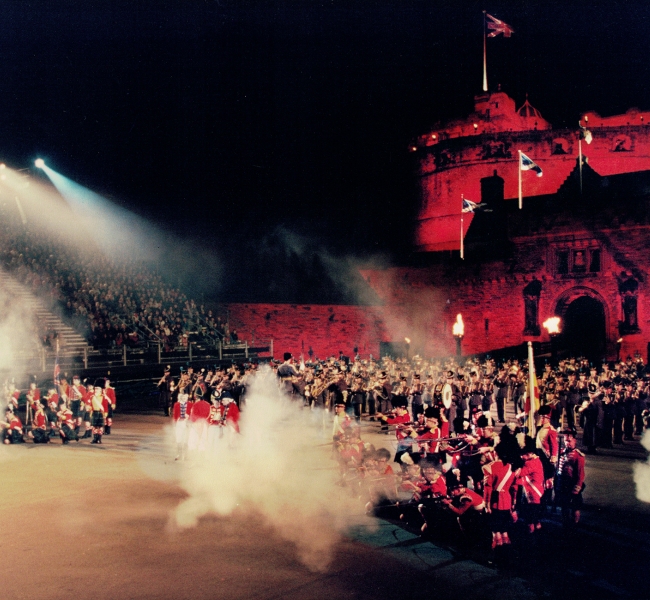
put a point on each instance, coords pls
(520, 186)
(531, 391)
(580, 160)
(485, 87)
(462, 241)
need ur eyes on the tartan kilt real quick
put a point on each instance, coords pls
(40, 436)
(15, 437)
(97, 419)
(69, 433)
(75, 407)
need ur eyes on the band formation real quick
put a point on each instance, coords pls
(62, 412)
(458, 469)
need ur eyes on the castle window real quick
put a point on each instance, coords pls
(578, 261)
(560, 146)
(594, 265)
(622, 143)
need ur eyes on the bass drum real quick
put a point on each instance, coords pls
(447, 394)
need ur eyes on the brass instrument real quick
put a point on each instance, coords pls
(317, 390)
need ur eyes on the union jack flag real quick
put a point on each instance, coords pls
(496, 27)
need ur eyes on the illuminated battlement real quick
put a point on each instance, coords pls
(453, 158)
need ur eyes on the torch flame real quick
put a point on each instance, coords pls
(407, 340)
(459, 327)
(552, 325)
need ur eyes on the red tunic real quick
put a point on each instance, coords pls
(500, 487)
(573, 471)
(77, 392)
(176, 412)
(428, 438)
(110, 393)
(40, 420)
(400, 421)
(531, 479)
(15, 424)
(232, 416)
(200, 411)
(433, 488)
(547, 441)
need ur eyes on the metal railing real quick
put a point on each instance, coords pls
(42, 360)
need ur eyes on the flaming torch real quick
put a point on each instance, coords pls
(407, 341)
(552, 325)
(619, 343)
(459, 331)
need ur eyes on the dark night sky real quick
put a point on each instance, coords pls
(228, 118)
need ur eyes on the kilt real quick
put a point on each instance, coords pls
(75, 407)
(15, 437)
(97, 419)
(69, 433)
(40, 436)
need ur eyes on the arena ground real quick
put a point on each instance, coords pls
(86, 521)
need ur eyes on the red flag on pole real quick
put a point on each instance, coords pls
(497, 27)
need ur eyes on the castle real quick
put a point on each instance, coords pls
(578, 249)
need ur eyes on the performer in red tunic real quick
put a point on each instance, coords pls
(67, 424)
(403, 432)
(12, 428)
(109, 393)
(52, 399)
(499, 494)
(531, 484)
(229, 414)
(39, 425)
(197, 439)
(429, 435)
(86, 409)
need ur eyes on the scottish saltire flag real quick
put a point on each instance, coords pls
(469, 206)
(472, 207)
(496, 27)
(528, 164)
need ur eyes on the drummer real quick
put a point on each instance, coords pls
(451, 398)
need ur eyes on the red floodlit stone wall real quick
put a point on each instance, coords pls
(297, 327)
(490, 297)
(422, 303)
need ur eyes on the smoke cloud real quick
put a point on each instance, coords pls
(642, 473)
(279, 467)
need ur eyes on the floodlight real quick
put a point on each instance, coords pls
(39, 162)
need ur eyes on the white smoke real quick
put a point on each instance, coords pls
(280, 467)
(642, 473)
